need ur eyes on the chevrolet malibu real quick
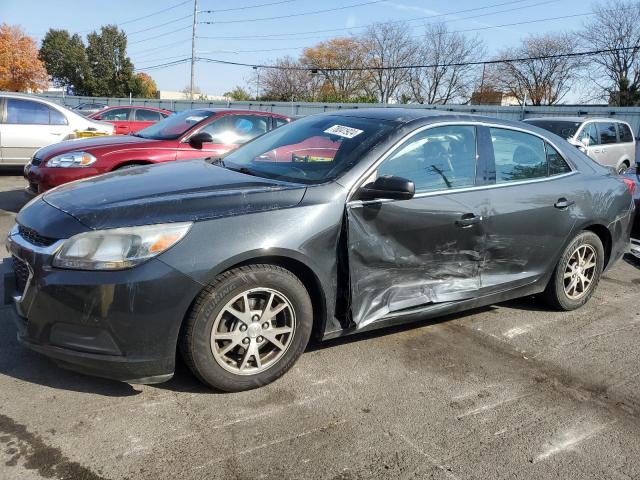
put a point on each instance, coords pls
(237, 262)
(190, 134)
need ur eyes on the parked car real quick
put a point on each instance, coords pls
(186, 135)
(609, 142)
(237, 261)
(130, 119)
(633, 175)
(88, 108)
(28, 123)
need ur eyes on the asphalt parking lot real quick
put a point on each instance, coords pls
(509, 391)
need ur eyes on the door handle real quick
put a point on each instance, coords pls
(563, 203)
(468, 219)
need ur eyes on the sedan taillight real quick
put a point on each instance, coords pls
(631, 185)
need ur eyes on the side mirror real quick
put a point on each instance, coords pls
(199, 138)
(388, 187)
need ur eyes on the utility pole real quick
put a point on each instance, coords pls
(193, 48)
(257, 81)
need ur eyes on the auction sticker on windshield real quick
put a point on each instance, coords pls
(342, 131)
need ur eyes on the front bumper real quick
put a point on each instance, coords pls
(41, 178)
(122, 325)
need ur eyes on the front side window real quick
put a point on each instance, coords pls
(518, 155)
(236, 129)
(176, 125)
(439, 158)
(589, 135)
(26, 112)
(624, 132)
(116, 115)
(311, 150)
(607, 133)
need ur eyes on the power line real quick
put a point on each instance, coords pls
(428, 17)
(158, 47)
(164, 65)
(248, 6)
(315, 12)
(435, 65)
(160, 35)
(159, 25)
(155, 13)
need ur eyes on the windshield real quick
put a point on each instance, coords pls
(175, 125)
(562, 128)
(311, 150)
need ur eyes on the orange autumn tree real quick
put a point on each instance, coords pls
(20, 68)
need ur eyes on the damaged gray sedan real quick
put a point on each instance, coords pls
(331, 225)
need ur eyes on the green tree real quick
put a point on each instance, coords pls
(239, 94)
(66, 60)
(111, 67)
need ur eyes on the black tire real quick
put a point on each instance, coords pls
(555, 294)
(195, 342)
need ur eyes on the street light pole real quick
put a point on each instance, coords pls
(193, 48)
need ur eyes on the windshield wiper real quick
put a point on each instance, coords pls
(215, 161)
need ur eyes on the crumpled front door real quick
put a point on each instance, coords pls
(411, 253)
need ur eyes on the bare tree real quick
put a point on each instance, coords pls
(540, 81)
(449, 79)
(342, 54)
(287, 82)
(615, 26)
(388, 44)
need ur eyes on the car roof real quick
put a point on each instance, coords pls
(155, 109)
(574, 119)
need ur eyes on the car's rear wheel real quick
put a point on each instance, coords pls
(577, 274)
(247, 328)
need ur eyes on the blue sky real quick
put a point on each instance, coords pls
(172, 28)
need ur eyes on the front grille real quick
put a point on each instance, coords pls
(34, 237)
(21, 270)
(36, 161)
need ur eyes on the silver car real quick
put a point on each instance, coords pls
(609, 142)
(28, 123)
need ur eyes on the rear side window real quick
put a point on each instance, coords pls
(607, 133)
(143, 115)
(557, 164)
(518, 155)
(439, 158)
(56, 118)
(624, 132)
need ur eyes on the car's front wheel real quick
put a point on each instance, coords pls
(577, 274)
(247, 328)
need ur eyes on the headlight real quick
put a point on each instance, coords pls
(118, 248)
(71, 160)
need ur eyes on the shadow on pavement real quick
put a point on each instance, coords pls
(21, 363)
(13, 200)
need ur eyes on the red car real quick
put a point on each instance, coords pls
(186, 135)
(130, 119)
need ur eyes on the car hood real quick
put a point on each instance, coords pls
(92, 144)
(171, 192)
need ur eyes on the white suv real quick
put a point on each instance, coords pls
(609, 142)
(28, 123)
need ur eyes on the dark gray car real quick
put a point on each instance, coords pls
(331, 225)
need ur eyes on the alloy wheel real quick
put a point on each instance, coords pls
(580, 271)
(253, 331)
